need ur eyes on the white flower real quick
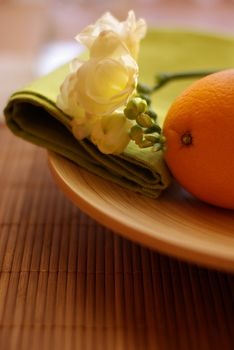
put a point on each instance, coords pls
(96, 91)
(82, 127)
(67, 99)
(111, 133)
(129, 31)
(101, 84)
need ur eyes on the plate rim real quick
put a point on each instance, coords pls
(167, 247)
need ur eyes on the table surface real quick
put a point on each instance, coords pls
(66, 282)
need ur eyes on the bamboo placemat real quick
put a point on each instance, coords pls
(68, 283)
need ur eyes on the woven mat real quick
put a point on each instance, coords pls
(68, 283)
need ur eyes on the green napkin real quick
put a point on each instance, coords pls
(32, 113)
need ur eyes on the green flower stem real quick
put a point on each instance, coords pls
(164, 78)
(147, 133)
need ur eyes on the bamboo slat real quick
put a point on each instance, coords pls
(69, 283)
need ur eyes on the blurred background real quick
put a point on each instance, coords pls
(37, 35)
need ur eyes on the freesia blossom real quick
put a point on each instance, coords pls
(96, 91)
(67, 100)
(111, 133)
(82, 127)
(129, 31)
(101, 84)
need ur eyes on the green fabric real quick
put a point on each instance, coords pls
(32, 114)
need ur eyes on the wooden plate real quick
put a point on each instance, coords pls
(176, 223)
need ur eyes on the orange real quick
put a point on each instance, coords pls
(199, 131)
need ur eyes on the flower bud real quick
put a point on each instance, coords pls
(152, 138)
(136, 134)
(160, 144)
(154, 128)
(157, 147)
(146, 97)
(144, 120)
(162, 139)
(152, 114)
(146, 144)
(134, 107)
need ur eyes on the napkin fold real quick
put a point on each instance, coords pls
(32, 114)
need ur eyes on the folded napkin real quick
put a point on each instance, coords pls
(32, 114)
